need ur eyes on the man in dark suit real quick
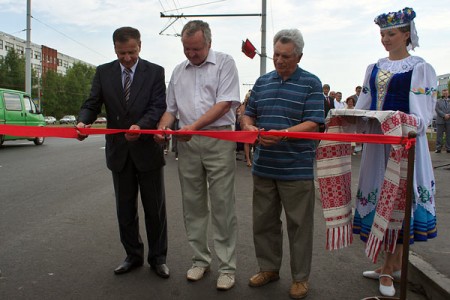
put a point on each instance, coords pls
(133, 92)
(328, 103)
(443, 122)
(329, 99)
(358, 90)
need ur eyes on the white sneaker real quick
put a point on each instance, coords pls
(196, 273)
(225, 281)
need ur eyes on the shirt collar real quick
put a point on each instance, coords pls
(294, 76)
(211, 58)
(133, 68)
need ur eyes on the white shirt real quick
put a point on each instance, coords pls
(193, 90)
(338, 104)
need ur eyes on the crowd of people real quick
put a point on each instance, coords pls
(203, 94)
(334, 99)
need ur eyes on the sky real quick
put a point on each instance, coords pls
(341, 39)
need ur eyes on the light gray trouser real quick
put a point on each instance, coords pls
(208, 165)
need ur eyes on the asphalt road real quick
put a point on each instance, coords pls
(59, 236)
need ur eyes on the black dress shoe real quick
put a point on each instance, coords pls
(161, 270)
(437, 151)
(128, 265)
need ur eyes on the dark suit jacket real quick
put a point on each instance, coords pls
(146, 105)
(441, 110)
(328, 106)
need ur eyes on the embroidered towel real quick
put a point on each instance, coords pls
(334, 176)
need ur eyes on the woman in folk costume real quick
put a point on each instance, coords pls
(399, 82)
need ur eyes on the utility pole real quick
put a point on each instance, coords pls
(28, 51)
(262, 65)
(263, 56)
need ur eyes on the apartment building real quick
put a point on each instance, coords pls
(43, 58)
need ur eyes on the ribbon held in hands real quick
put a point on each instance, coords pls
(235, 136)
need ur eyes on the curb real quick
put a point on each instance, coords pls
(426, 278)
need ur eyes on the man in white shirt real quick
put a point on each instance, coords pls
(204, 92)
(338, 103)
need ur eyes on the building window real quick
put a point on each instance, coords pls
(1, 44)
(36, 67)
(9, 46)
(19, 50)
(37, 55)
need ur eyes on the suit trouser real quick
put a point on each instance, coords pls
(150, 184)
(440, 129)
(297, 198)
(208, 165)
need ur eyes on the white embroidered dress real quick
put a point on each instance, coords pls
(406, 85)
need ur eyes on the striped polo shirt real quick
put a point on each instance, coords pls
(278, 104)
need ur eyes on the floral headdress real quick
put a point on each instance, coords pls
(397, 19)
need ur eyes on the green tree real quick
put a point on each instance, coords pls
(77, 83)
(12, 73)
(60, 94)
(52, 94)
(63, 95)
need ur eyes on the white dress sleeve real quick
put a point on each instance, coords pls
(422, 95)
(365, 98)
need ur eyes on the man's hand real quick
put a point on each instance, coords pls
(249, 128)
(270, 140)
(80, 135)
(162, 138)
(185, 137)
(131, 137)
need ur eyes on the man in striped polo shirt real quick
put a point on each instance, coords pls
(288, 99)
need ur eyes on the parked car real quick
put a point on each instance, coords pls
(17, 108)
(100, 120)
(69, 119)
(50, 120)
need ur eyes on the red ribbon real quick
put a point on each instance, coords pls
(235, 136)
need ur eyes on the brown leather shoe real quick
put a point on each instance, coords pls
(263, 278)
(299, 290)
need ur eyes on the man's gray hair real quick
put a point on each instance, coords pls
(192, 27)
(290, 36)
